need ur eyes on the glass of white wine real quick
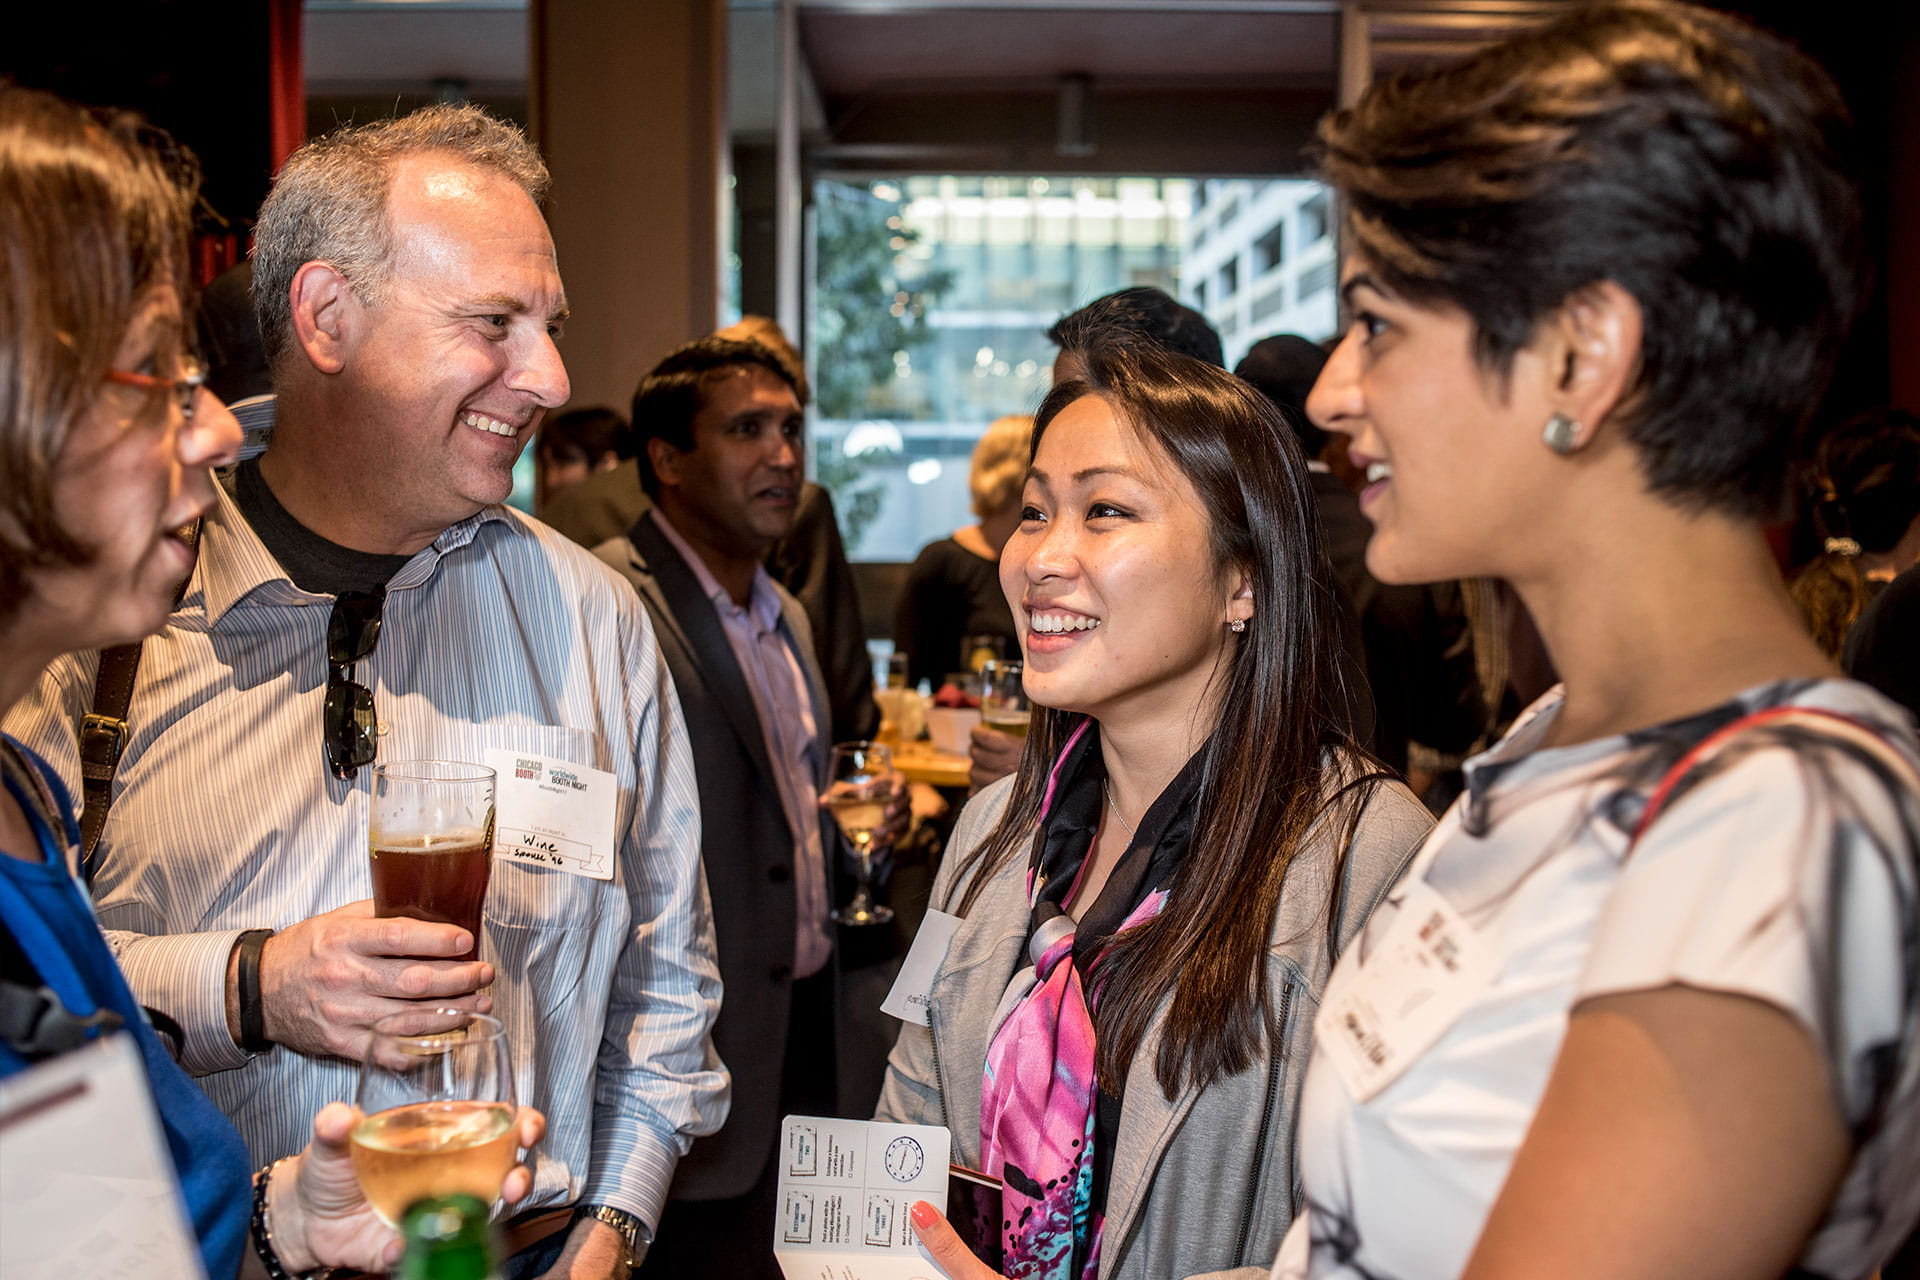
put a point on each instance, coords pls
(1003, 698)
(437, 1110)
(856, 796)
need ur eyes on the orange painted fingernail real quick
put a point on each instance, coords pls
(923, 1214)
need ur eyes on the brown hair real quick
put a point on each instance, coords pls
(1279, 768)
(1695, 161)
(998, 469)
(1864, 492)
(94, 210)
(768, 333)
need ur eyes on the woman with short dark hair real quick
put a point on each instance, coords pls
(1646, 1002)
(1150, 905)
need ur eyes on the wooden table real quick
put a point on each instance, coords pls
(922, 763)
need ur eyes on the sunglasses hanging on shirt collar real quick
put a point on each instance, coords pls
(353, 629)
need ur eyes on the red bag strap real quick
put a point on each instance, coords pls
(1834, 724)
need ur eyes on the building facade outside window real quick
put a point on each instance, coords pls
(933, 295)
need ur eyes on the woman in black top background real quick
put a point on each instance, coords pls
(953, 589)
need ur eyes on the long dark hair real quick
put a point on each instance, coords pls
(1280, 760)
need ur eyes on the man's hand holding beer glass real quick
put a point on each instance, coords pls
(393, 981)
(326, 980)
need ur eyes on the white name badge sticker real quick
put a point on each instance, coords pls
(909, 999)
(1421, 976)
(552, 813)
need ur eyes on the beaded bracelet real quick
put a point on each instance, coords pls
(260, 1228)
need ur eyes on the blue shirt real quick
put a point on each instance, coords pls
(45, 911)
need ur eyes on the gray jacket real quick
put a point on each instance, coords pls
(1207, 1183)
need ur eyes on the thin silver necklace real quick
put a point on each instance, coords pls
(1106, 785)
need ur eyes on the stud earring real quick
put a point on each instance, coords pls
(1561, 434)
(1237, 625)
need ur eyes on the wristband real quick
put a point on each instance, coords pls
(253, 1013)
(260, 1229)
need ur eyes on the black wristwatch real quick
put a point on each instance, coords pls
(628, 1225)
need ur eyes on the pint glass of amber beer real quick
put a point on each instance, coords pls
(431, 835)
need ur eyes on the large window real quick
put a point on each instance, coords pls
(933, 294)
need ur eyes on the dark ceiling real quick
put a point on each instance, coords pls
(1198, 86)
(856, 53)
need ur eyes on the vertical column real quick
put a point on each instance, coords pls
(628, 106)
(787, 203)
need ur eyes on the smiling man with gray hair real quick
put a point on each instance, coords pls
(362, 597)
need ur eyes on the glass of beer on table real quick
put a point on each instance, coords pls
(436, 1097)
(977, 651)
(431, 836)
(1003, 698)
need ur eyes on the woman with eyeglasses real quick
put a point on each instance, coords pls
(106, 441)
(1150, 906)
(1647, 1003)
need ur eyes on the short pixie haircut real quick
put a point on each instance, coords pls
(329, 203)
(93, 216)
(1698, 163)
(674, 391)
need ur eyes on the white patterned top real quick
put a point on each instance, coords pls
(1783, 868)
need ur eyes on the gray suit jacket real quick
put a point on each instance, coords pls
(745, 844)
(1204, 1184)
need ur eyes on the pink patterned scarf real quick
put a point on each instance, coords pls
(1040, 1102)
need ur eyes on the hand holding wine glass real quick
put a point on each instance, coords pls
(859, 787)
(437, 1110)
(320, 1216)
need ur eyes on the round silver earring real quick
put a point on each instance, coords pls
(1562, 434)
(1237, 625)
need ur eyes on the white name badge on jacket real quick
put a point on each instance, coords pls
(552, 813)
(1418, 979)
(911, 997)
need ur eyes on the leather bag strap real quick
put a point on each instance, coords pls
(103, 732)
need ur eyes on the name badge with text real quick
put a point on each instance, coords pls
(552, 813)
(1422, 975)
(910, 997)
